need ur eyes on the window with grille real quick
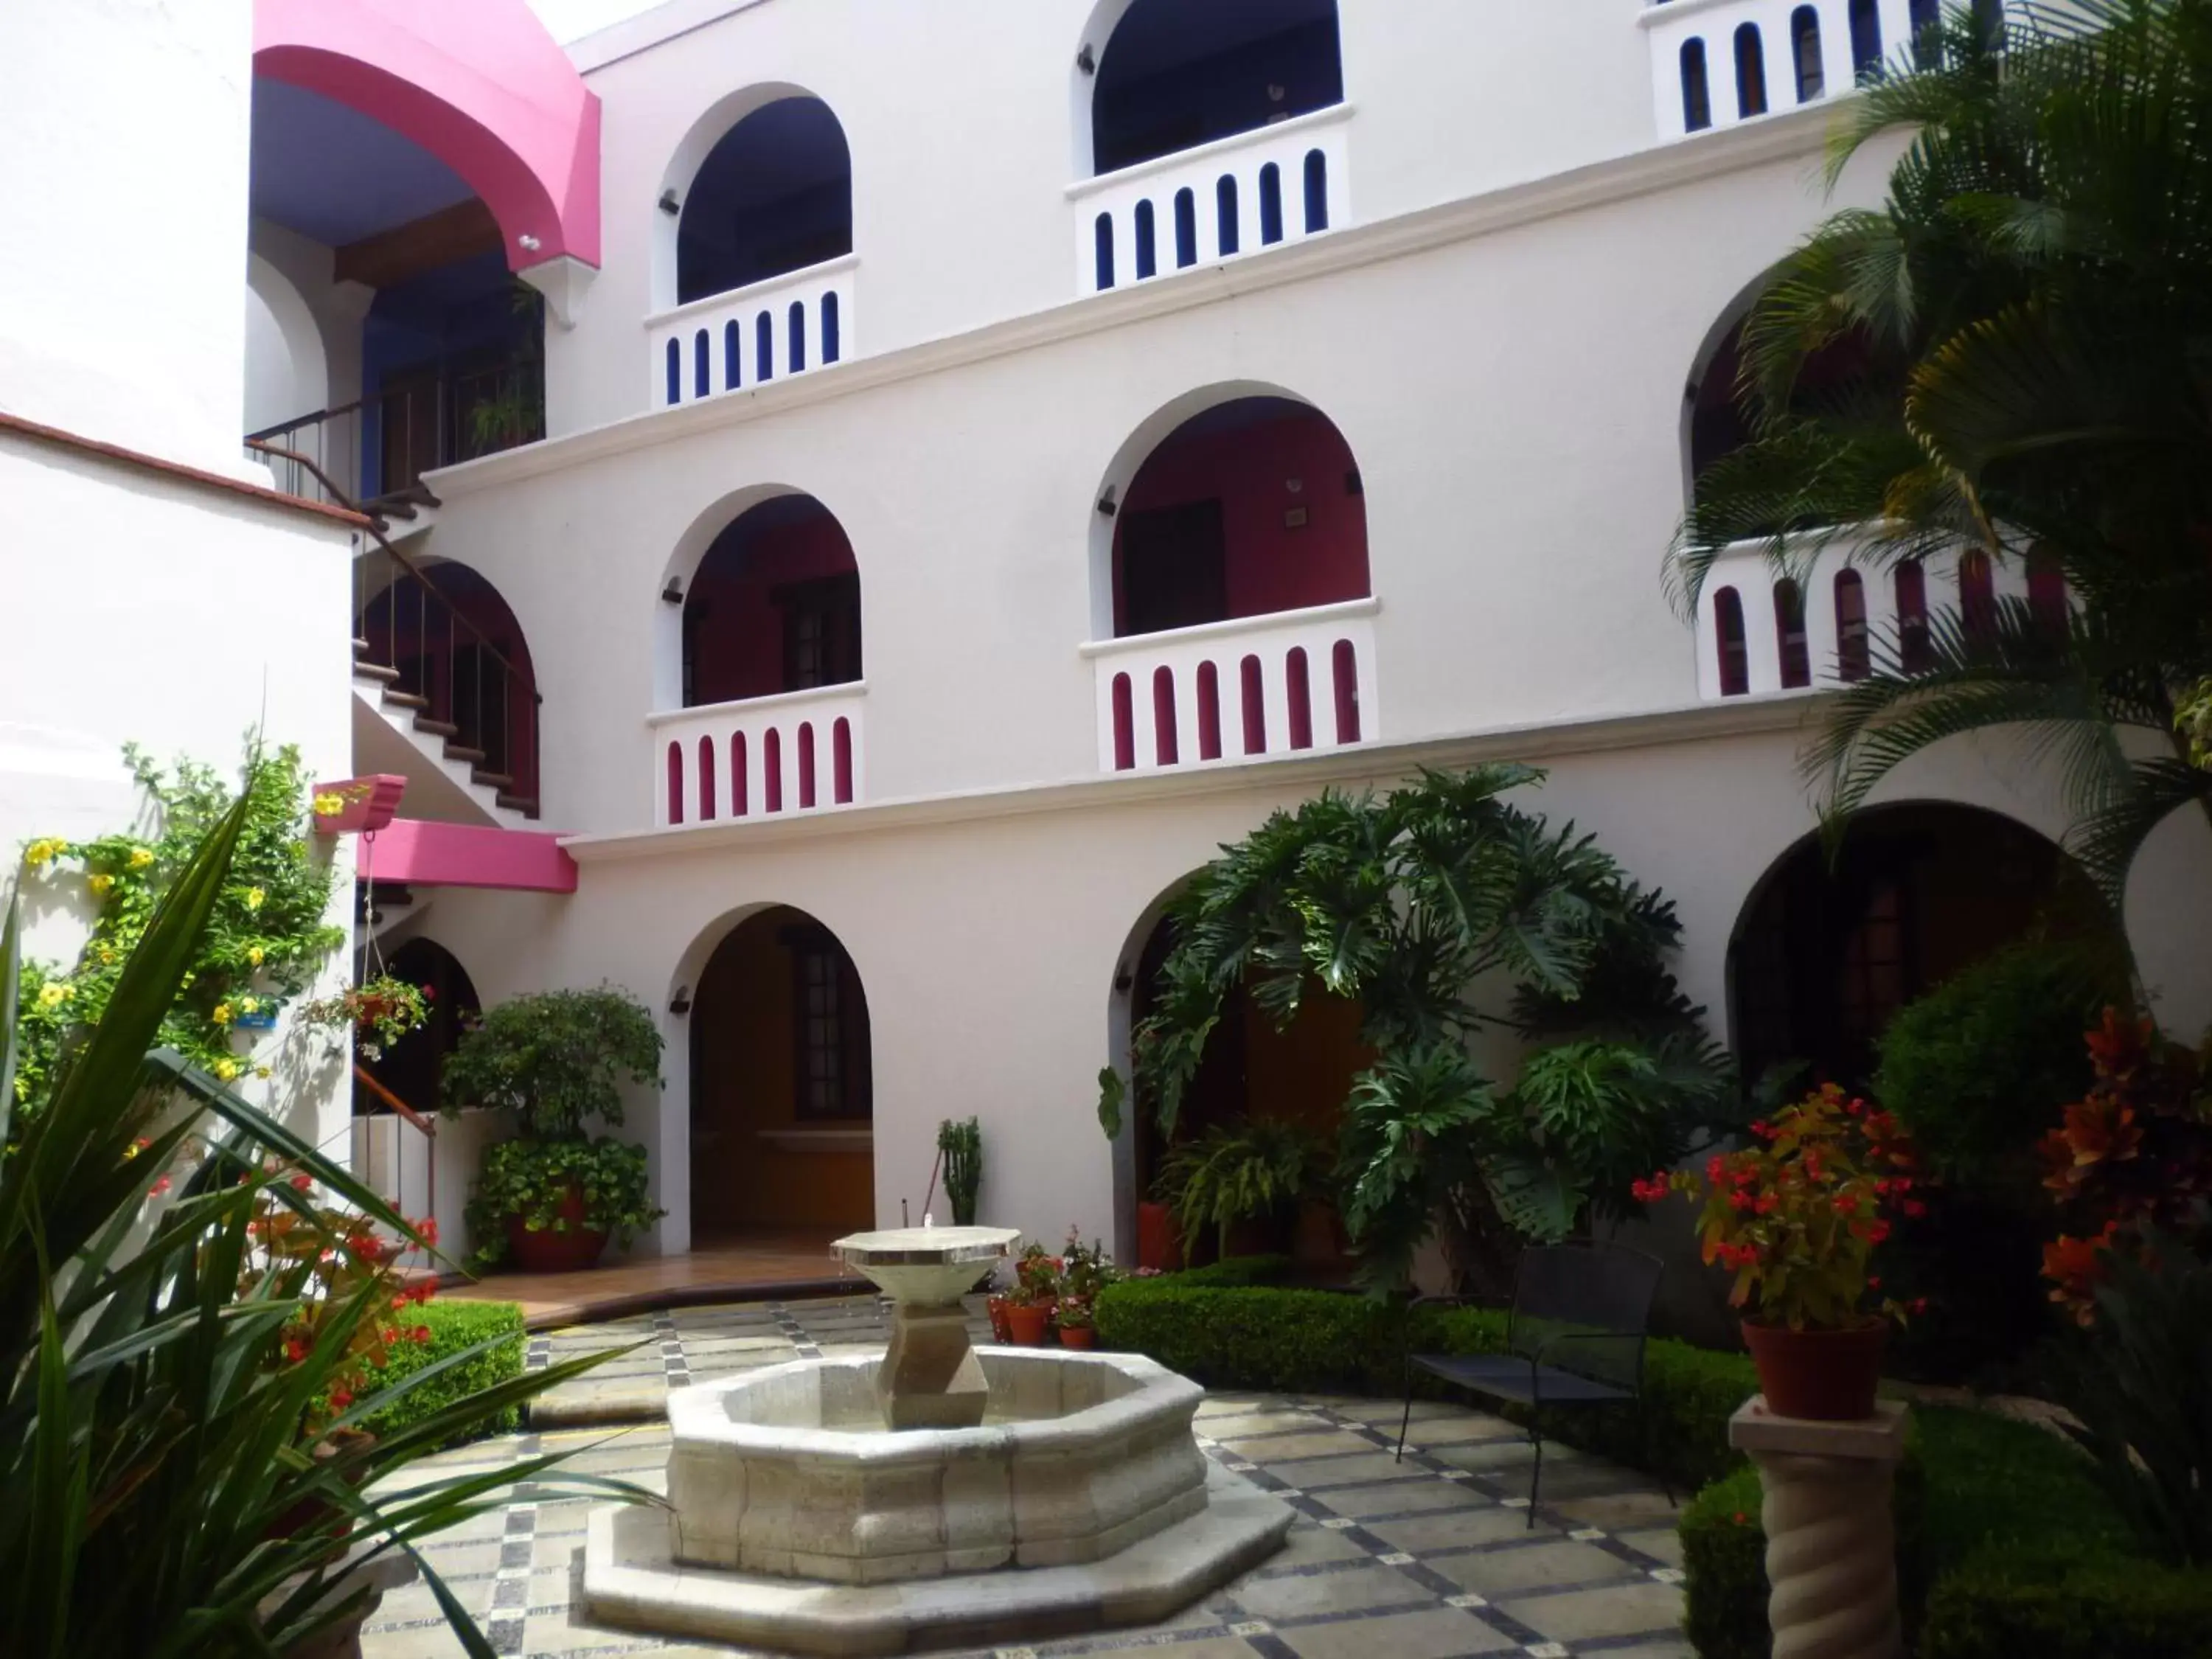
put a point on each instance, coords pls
(830, 1020)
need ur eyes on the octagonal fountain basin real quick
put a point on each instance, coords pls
(789, 1471)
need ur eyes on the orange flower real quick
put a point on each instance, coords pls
(2100, 1130)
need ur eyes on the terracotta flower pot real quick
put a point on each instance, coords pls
(1828, 1376)
(556, 1250)
(1078, 1336)
(1000, 1331)
(1159, 1246)
(1025, 1323)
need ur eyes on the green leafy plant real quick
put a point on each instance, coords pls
(378, 1011)
(556, 1059)
(174, 1488)
(267, 934)
(1255, 1170)
(485, 1341)
(1423, 904)
(960, 1146)
(533, 1181)
(2028, 305)
(1036, 1277)
(1797, 1215)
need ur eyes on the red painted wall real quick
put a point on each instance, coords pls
(1269, 566)
(738, 646)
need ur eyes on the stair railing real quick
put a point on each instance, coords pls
(425, 1127)
(416, 427)
(465, 684)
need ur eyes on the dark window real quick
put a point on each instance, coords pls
(1186, 215)
(1854, 659)
(1978, 594)
(821, 630)
(797, 354)
(830, 1020)
(734, 352)
(702, 366)
(1102, 239)
(1174, 563)
(1927, 20)
(1750, 72)
(831, 346)
(1317, 191)
(1271, 204)
(675, 373)
(1175, 74)
(1728, 634)
(1805, 53)
(1224, 213)
(773, 195)
(1147, 242)
(1697, 97)
(764, 347)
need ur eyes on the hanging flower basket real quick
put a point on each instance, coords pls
(380, 1011)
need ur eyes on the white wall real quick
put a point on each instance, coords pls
(123, 125)
(959, 118)
(175, 616)
(1513, 399)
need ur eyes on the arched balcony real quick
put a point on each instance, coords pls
(1230, 570)
(1204, 134)
(755, 248)
(761, 692)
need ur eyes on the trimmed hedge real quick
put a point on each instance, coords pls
(454, 1326)
(2006, 1546)
(1230, 1325)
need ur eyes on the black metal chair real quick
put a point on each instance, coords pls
(1575, 1337)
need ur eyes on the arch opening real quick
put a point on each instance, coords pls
(1251, 505)
(783, 1083)
(773, 605)
(774, 194)
(413, 1067)
(1720, 422)
(1169, 77)
(1825, 955)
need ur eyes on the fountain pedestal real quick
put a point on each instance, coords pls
(929, 1378)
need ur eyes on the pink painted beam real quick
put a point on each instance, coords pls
(422, 853)
(478, 83)
(368, 802)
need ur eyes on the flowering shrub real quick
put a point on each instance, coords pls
(268, 935)
(1797, 1216)
(361, 1264)
(2132, 1157)
(1085, 1270)
(379, 1010)
(1036, 1277)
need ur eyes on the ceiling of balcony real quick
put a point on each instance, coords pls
(337, 176)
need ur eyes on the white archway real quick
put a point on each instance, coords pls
(690, 154)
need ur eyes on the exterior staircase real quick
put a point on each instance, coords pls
(456, 774)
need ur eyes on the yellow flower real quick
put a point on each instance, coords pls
(226, 1069)
(107, 955)
(223, 1014)
(254, 898)
(141, 857)
(329, 803)
(41, 851)
(53, 995)
(254, 955)
(247, 1005)
(261, 1071)
(100, 884)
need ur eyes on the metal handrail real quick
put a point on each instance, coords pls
(397, 557)
(428, 1128)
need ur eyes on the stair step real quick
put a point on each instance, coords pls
(455, 752)
(436, 728)
(525, 804)
(360, 646)
(404, 699)
(490, 780)
(395, 509)
(374, 671)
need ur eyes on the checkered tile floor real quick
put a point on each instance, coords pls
(1426, 1559)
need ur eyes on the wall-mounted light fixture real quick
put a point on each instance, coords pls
(1085, 61)
(530, 244)
(669, 204)
(681, 1002)
(673, 593)
(1123, 979)
(1106, 508)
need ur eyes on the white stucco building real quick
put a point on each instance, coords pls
(968, 462)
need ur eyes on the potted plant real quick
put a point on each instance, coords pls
(1030, 1304)
(1797, 1216)
(550, 1199)
(1086, 1270)
(1245, 1178)
(1076, 1322)
(380, 1010)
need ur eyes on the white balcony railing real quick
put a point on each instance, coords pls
(1718, 63)
(750, 336)
(1755, 635)
(1236, 196)
(799, 751)
(1235, 690)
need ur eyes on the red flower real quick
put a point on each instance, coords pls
(1762, 1129)
(420, 1334)
(1915, 1208)
(427, 1230)
(302, 1182)
(1738, 1201)
(1741, 1518)
(340, 1399)
(1716, 1168)
(429, 994)
(1765, 1204)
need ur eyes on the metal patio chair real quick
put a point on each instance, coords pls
(1575, 1337)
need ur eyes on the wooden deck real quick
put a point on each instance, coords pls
(748, 1267)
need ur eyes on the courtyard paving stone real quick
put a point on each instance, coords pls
(1429, 1559)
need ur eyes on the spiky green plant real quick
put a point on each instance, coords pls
(1254, 1170)
(154, 1442)
(2032, 308)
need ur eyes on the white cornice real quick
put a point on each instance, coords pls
(1801, 132)
(1555, 741)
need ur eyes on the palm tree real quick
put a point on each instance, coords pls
(2027, 323)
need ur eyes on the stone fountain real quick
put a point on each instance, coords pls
(940, 1495)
